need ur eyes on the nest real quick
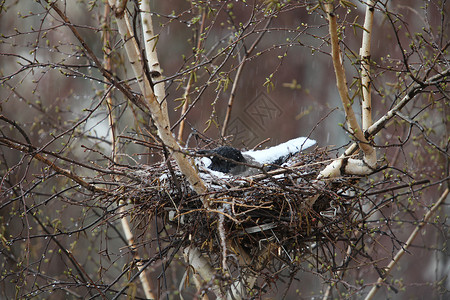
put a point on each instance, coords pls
(286, 210)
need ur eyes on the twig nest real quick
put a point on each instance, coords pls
(286, 208)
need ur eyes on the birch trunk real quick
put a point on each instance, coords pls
(159, 114)
(345, 164)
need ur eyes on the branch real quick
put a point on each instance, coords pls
(408, 243)
(416, 89)
(238, 74)
(90, 54)
(366, 107)
(240, 287)
(191, 80)
(150, 42)
(370, 158)
(340, 273)
(158, 113)
(52, 165)
(335, 168)
(140, 266)
(143, 276)
(195, 259)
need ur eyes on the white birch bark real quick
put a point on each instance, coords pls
(333, 169)
(159, 115)
(343, 164)
(202, 267)
(364, 53)
(143, 276)
(150, 44)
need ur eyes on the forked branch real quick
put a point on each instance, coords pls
(349, 165)
(159, 112)
(160, 116)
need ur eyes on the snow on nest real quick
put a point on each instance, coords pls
(260, 157)
(205, 173)
(271, 154)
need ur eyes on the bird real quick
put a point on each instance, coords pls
(232, 161)
(225, 159)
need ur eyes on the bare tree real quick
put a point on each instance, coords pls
(108, 109)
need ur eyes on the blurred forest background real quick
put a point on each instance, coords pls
(58, 240)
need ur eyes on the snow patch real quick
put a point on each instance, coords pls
(272, 154)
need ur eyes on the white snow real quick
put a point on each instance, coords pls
(211, 174)
(260, 157)
(273, 153)
(204, 161)
(163, 177)
(202, 164)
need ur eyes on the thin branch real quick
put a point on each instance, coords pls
(90, 54)
(238, 75)
(107, 60)
(416, 89)
(408, 243)
(52, 165)
(143, 277)
(340, 273)
(191, 80)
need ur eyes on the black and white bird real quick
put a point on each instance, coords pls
(232, 161)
